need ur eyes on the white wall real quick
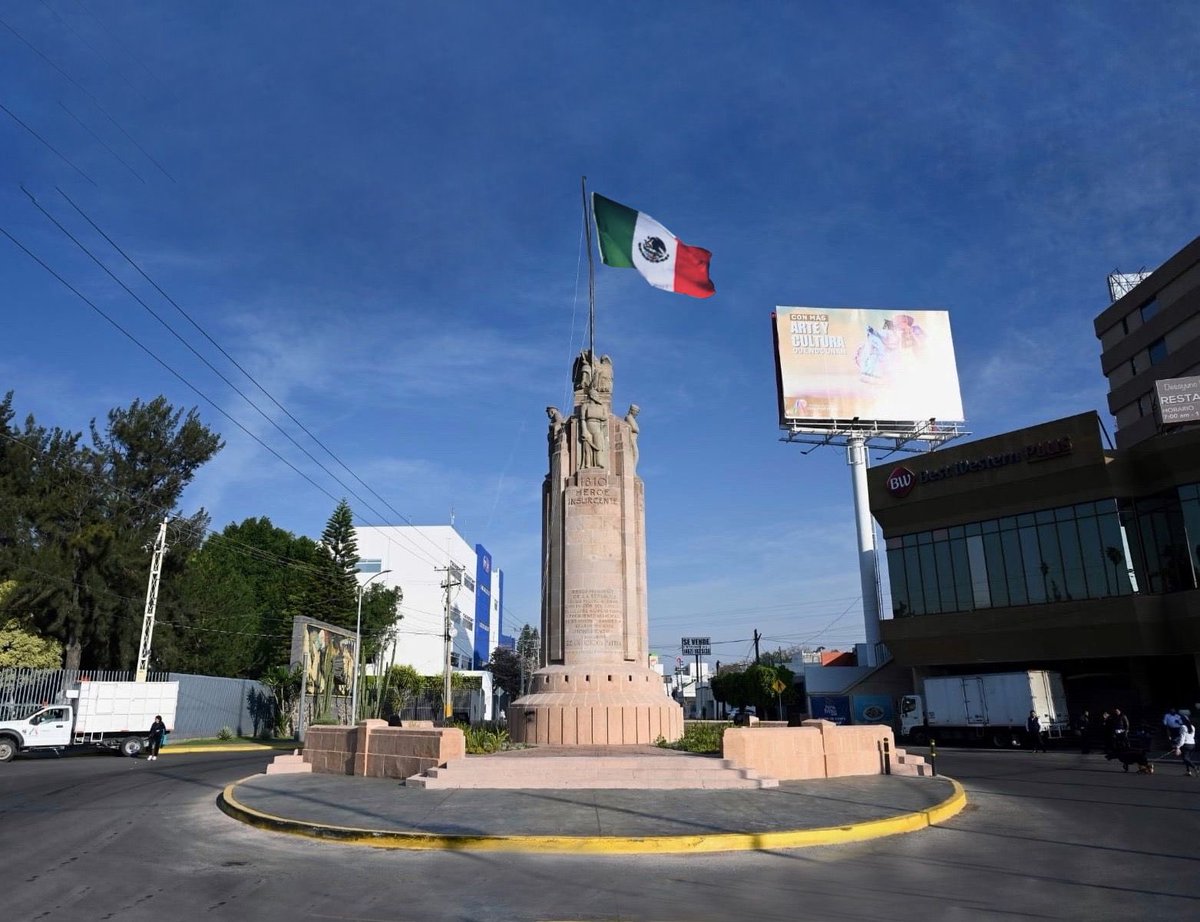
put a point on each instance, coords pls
(414, 555)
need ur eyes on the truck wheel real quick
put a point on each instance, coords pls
(131, 746)
(8, 748)
(918, 737)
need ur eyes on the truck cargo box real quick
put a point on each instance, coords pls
(124, 707)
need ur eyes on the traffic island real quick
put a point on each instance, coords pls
(384, 814)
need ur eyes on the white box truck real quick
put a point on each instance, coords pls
(104, 715)
(987, 708)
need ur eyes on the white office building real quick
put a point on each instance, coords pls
(420, 559)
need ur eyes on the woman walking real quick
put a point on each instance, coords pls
(158, 730)
(1186, 744)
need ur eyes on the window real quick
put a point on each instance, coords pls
(1157, 351)
(1050, 555)
(1149, 309)
(468, 583)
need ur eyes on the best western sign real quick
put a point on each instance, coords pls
(902, 480)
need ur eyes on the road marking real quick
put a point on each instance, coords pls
(629, 845)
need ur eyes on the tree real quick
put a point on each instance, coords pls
(380, 619)
(22, 648)
(729, 688)
(234, 606)
(85, 517)
(760, 686)
(332, 593)
(529, 654)
(505, 667)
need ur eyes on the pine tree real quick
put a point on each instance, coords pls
(333, 591)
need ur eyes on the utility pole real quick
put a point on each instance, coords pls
(757, 637)
(453, 581)
(160, 551)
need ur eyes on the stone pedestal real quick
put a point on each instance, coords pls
(595, 686)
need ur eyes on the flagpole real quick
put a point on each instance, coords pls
(587, 229)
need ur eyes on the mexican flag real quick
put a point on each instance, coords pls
(632, 240)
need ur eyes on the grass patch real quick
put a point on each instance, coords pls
(236, 740)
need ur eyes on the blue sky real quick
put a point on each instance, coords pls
(375, 209)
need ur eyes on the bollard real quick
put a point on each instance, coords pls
(887, 757)
(933, 757)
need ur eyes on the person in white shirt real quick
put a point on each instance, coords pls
(1186, 745)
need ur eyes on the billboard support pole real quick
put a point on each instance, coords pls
(868, 562)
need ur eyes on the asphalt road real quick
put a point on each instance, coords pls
(1055, 836)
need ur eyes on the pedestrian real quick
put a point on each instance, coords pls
(158, 732)
(1033, 729)
(1083, 730)
(1172, 720)
(1120, 731)
(1185, 745)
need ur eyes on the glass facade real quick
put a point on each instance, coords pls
(1091, 550)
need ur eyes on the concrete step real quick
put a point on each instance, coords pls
(293, 764)
(582, 772)
(912, 771)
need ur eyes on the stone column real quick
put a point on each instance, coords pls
(595, 685)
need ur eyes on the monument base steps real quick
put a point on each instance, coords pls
(904, 763)
(646, 772)
(293, 764)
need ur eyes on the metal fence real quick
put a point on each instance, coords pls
(23, 691)
(207, 704)
(210, 704)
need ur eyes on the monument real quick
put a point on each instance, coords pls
(595, 686)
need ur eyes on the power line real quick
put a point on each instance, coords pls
(194, 351)
(96, 51)
(137, 267)
(86, 127)
(88, 94)
(54, 150)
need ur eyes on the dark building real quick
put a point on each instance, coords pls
(1045, 548)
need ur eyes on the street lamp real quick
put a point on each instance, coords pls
(358, 647)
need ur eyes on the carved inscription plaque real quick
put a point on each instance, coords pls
(594, 593)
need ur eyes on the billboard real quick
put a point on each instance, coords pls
(874, 709)
(1179, 399)
(835, 708)
(835, 365)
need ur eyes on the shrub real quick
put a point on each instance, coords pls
(701, 737)
(225, 733)
(482, 740)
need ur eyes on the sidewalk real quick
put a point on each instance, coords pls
(384, 813)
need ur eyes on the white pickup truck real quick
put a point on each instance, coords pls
(97, 715)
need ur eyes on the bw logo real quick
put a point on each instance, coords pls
(900, 482)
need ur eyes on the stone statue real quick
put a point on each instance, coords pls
(631, 422)
(581, 371)
(556, 427)
(602, 376)
(593, 432)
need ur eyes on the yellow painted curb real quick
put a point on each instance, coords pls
(628, 845)
(183, 748)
